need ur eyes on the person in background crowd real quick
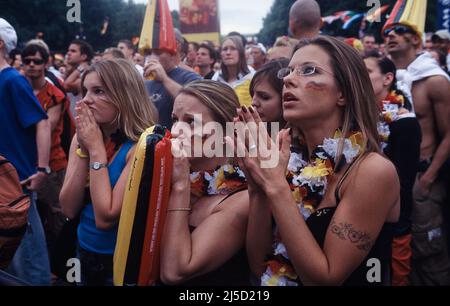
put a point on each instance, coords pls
(128, 50)
(441, 40)
(112, 53)
(304, 19)
(139, 59)
(234, 70)
(25, 142)
(428, 43)
(259, 54)
(53, 101)
(282, 48)
(167, 80)
(428, 87)
(206, 58)
(369, 43)
(191, 55)
(266, 90)
(400, 138)
(16, 60)
(79, 56)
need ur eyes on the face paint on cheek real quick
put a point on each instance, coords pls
(315, 86)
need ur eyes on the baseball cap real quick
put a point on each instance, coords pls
(8, 35)
(441, 34)
(261, 47)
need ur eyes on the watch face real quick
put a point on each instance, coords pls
(97, 165)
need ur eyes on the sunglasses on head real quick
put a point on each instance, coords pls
(27, 61)
(399, 29)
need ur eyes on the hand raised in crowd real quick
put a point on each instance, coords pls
(154, 69)
(88, 132)
(265, 160)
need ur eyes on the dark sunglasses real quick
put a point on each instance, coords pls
(28, 61)
(399, 29)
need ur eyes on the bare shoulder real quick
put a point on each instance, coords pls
(374, 179)
(437, 86)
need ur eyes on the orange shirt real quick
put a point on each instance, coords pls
(50, 96)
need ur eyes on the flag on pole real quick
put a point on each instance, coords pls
(409, 12)
(157, 30)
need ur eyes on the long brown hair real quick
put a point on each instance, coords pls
(126, 91)
(352, 78)
(242, 63)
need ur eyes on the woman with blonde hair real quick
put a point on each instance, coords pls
(204, 234)
(110, 118)
(334, 210)
(234, 70)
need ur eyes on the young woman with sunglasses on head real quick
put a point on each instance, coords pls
(338, 181)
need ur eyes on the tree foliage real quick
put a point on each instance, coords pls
(50, 18)
(276, 23)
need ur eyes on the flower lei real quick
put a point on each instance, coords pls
(392, 109)
(308, 182)
(223, 180)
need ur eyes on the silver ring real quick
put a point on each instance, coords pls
(252, 147)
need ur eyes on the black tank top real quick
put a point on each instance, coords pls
(318, 224)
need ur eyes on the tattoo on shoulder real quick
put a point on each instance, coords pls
(346, 231)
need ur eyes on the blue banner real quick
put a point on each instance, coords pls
(443, 10)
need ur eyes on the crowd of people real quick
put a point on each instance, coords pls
(363, 168)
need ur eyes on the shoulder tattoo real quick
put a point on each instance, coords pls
(346, 231)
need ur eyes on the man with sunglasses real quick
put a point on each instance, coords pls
(53, 100)
(428, 86)
(25, 141)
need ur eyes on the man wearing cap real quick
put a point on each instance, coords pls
(25, 141)
(167, 81)
(428, 86)
(258, 52)
(441, 40)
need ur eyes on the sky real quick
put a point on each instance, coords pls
(244, 16)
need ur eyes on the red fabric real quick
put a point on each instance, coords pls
(50, 96)
(401, 260)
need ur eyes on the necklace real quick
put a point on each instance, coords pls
(223, 180)
(392, 109)
(309, 181)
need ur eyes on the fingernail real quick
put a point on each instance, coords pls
(241, 118)
(251, 109)
(244, 109)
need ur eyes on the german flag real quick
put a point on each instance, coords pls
(157, 30)
(409, 12)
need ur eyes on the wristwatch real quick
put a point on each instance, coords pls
(97, 165)
(47, 170)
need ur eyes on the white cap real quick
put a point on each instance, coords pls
(8, 35)
(261, 47)
(442, 34)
